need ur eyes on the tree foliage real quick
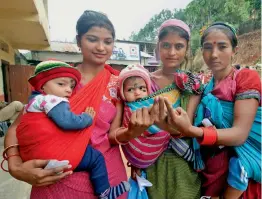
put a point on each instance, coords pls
(200, 13)
(149, 32)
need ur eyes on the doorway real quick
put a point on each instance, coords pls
(6, 83)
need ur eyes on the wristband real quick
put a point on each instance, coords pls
(209, 136)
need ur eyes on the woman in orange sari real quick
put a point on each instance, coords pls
(98, 88)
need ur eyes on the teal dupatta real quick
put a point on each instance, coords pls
(221, 114)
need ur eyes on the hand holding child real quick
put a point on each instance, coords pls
(91, 112)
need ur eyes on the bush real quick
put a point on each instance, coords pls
(249, 26)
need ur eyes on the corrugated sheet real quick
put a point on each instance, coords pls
(64, 47)
(73, 48)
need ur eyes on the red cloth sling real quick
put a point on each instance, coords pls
(40, 138)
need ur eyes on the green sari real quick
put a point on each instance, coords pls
(173, 177)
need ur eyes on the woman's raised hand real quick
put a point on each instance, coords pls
(160, 115)
(140, 121)
(178, 119)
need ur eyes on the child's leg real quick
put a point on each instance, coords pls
(93, 162)
(182, 149)
(237, 179)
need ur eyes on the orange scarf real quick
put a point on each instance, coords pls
(40, 138)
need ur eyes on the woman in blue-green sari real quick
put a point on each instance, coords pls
(228, 151)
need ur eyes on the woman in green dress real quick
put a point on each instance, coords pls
(171, 175)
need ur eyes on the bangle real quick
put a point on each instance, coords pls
(120, 143)
(7, 148)
(209, 136)
(6, 159)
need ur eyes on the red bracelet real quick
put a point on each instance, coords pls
(6, 159)
(209, 136)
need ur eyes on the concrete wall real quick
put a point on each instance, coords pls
(7, 57)
(24, 24)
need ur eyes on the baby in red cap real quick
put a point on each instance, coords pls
(54, 83)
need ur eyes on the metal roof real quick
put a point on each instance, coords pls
(73, 48)
(64, 47)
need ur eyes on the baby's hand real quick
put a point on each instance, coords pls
(90, 111)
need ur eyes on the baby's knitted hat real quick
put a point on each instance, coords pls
(48, 70)
(133, 71)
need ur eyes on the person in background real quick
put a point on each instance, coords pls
(10, 111)
(8, 114)
(237, 66)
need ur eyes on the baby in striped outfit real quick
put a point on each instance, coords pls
(143, 151)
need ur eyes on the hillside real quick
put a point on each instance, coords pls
(249, 49)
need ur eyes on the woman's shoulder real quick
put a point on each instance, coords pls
(240, 74)
(247, 79)
(248, 84)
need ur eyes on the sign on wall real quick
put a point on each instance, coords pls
(125, 51)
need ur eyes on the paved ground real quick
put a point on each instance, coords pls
(9, 187)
